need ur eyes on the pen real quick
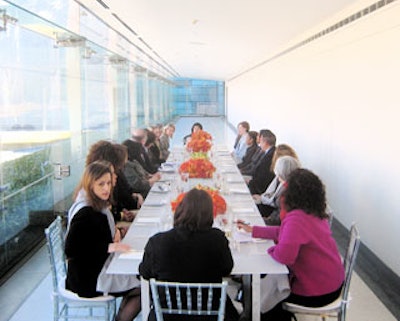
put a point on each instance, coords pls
(242, 222)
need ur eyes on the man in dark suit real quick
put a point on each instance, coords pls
(137, 151)
(262, 174)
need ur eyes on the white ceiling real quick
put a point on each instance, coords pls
(217, 39)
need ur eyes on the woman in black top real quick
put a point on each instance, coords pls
(92, 236)
(192, 251)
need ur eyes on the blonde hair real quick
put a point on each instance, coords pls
(282, 150)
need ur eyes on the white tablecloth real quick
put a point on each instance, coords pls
(249, 255)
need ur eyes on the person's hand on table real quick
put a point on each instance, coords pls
(256, 198)
(154, 178)
(128, 215)
(244, 225)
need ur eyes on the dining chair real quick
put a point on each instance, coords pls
(330, 213)
(67, 304)
(338, 307)
(188, 298)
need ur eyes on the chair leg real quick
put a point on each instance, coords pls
(246, 300)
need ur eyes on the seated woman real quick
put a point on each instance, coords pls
(92, 236)
(252, 148)
(268, 203)
(240, 146)
(165, 138)
(125, 198)
(192, 251)
(195, 127)
(305, 244)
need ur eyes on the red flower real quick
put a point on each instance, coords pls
(197, 168)
(200, 142)
(219, 204)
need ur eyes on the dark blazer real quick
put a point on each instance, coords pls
(138, 152)
(248, 169)
(250, 151)
(184, 256)
(86, 248)
(122, 195)
(262, 175)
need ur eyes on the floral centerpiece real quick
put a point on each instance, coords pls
(199, 167)
(219, 203)
(200, 142)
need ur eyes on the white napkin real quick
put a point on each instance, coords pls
(155, 203)
(147, 219)
(242, 210)
(132, 255)
(239, 190)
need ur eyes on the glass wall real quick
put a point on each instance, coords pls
(199, 97)
(63, 86)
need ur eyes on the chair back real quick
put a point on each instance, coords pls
(188, 298)
(350, 260)
(330, 213)
(55, 245)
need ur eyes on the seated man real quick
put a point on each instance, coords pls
(136, 150)
(262, 175)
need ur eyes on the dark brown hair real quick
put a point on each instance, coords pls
(195, 212)
(305, 191)
(114, 153)
(92, 173)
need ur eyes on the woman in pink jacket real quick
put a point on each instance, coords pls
(305, 244)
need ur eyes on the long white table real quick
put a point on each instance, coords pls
(249, 255)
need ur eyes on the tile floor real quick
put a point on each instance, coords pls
(27, 295)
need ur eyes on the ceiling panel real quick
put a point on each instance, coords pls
(218, 39)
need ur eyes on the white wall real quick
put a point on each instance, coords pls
(336, 100)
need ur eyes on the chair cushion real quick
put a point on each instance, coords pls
(333, 307)
(69, 295)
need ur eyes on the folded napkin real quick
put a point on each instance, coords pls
(147, 219)
(228, 170)
(242, 210)
(239, 190)
(153, 203)
(160, 188)
(132, 255)
(235, 180)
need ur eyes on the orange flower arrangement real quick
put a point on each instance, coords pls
(219, 203)
(200, 142)
(197, 168)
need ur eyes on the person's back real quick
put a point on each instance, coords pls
(193, 251)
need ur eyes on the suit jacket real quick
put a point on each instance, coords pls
(250, 151)
(86, 248)
(138, 152)
(122, 195)
(250, 167)
(262, 175)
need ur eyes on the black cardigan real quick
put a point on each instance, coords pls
(86, 248)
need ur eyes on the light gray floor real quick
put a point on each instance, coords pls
(27, 295)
